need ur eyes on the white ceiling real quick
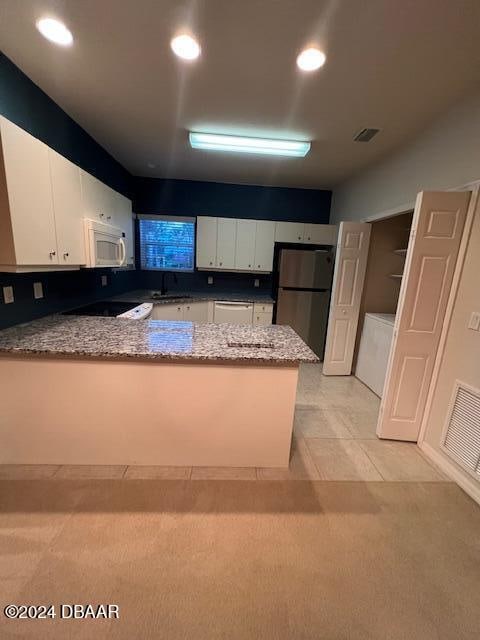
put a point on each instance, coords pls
(391, 64)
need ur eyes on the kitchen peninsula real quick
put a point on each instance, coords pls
(117, 391)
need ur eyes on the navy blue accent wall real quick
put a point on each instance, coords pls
(25, 104)
(191, 198)
(62, 290)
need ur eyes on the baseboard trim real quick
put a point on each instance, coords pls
(469, 485)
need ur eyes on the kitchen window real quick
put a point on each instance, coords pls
(167, 243)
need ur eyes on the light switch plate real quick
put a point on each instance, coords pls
(37, 290)
(8, 295)
(474, 322)
(210, 279)
(104, 281)
(256, 282)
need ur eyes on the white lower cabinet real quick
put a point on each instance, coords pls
(219, 311)
(167, 312)
(196, 311)
(262, 319)
(262, 314)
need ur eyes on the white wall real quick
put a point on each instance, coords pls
(460, 361)
(446, 155)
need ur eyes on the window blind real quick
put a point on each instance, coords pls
(167, 243)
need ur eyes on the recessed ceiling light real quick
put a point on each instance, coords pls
(185, 47)
(55, 31)
(311, 59)
(241, 144)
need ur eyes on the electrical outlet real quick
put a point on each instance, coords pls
(104, 281)
(37, 290)
(8, 295)
(256, 282)
(474, 323)
(210, 279)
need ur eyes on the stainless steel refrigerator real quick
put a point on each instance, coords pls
(305, 280)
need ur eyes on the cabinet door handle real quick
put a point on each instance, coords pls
(53, 253)
(258, 266)
(299, 237)
(308, 238)
(101, 215)
(221, 263)
(211, 263)
(110, 217)
(249, 265)
(65, 255)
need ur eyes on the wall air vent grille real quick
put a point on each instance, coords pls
(365, 135)
(461, 438)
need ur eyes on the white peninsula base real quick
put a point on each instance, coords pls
(84, 411)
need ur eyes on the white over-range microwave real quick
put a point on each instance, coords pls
(104, 245)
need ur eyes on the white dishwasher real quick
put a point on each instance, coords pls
(233, 312)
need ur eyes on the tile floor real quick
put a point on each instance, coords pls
(334, 439)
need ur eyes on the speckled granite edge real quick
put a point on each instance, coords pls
(154, 340)
(141, 296)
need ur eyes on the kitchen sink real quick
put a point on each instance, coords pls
(169, 296)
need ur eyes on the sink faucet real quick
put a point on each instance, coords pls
(163, 288)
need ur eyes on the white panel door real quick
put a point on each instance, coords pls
(320, 234)
(437, 228)
(206, 242)
(27, 172)
(245, 244)
(349, 274)
(226, 240)
(264, 244)
(67, 205)
(289, 231)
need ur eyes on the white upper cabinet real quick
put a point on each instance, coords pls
(226, 241)
(289, 231)
(320, 234)
(306, 233)
(67, 206)
(206, 242)
(264, 245)
(248, 245)
(245, 245)
(44, 199)
(27, 222)
(97, 199)
(123, 219)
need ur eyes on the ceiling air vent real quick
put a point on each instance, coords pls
(365, 135)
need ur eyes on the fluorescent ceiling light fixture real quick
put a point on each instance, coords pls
(55, 31)
(185, 47)
(311, 59)
(240, 144)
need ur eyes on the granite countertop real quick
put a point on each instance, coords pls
(142, 295)
(119, 338)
